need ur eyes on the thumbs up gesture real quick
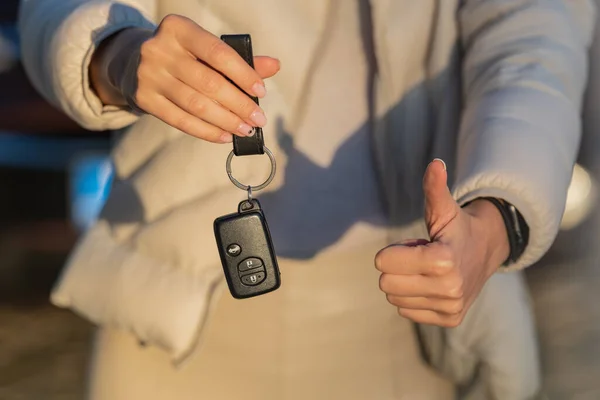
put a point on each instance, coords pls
(435, 281)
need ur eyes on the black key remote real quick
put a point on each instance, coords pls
(247, 252)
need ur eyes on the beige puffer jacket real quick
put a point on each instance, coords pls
(522, 65)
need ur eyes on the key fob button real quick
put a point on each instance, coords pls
(250, 263)
(234, 249)
(253, 279)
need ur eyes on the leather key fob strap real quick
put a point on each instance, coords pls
(250, 145)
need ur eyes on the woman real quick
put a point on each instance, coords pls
(367, 95)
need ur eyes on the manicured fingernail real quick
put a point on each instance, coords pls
(259, 90)
(226, 137)
(245, 129)
(442, 161)
(258, 118)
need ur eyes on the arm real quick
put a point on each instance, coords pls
(58, 38)
(99, 61)
(524, 74)
(110, 59)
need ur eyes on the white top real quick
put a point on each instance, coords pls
(330, 186)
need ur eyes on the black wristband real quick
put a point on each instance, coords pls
(517, 229)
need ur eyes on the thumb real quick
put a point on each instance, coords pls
(440, 206)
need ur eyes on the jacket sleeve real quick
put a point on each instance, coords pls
(58, 38)
(524, 74)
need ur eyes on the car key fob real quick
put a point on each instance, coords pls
(247, 252)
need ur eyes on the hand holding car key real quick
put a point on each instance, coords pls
(243, 238)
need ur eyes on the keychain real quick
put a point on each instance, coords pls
(243, 238)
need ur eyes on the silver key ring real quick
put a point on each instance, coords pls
(248, 187)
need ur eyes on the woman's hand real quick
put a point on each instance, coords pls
(176, 74)
(436, 281)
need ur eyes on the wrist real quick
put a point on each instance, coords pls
(489, 226)
(113, 65)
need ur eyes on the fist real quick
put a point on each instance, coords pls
(435, 281)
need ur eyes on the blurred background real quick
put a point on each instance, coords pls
(53, 179)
